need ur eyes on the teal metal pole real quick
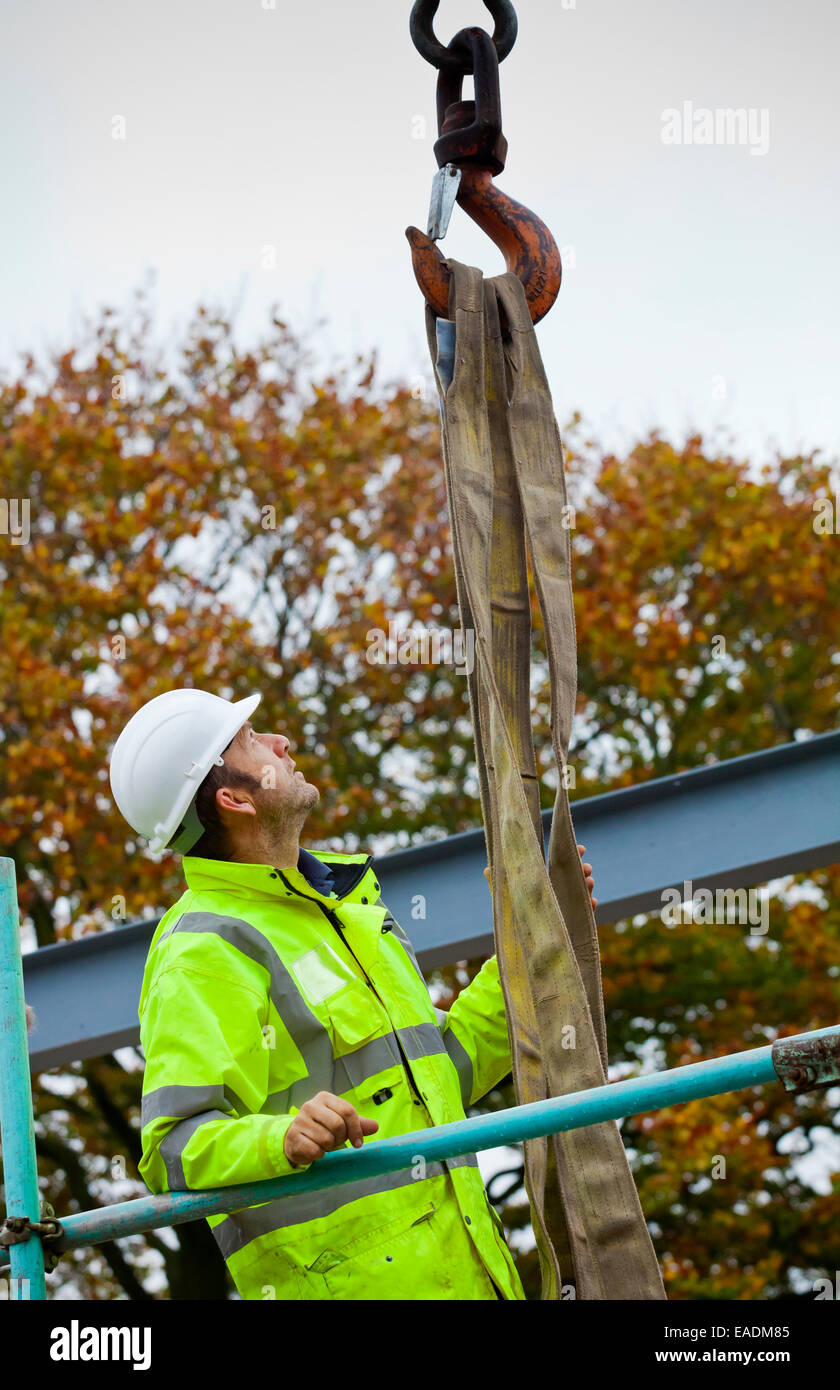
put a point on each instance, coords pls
(631, 1097)
(20, 1168)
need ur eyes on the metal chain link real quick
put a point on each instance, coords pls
(429, 47)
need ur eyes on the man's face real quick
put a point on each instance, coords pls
(283, 789)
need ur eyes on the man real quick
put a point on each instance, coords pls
(283, 1015)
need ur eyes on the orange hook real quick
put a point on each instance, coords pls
(471, 139)
(527, 245)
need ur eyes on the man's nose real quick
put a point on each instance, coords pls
(278, 743)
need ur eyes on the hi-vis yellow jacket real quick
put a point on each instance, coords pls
(259, 991)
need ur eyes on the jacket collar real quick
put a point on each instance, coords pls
(349, 871)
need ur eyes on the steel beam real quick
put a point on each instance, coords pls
(733, 824)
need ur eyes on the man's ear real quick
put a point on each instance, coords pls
(235, 799)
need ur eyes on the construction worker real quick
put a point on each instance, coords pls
(283, 1015)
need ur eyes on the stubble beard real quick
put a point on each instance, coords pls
(287, 814)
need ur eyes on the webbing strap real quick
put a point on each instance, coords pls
(505, 483)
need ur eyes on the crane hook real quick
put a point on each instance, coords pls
(471, 144)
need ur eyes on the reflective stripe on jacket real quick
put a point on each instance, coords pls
(258, 992)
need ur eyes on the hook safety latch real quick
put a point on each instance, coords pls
(444, 193)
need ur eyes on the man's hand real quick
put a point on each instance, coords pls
(590, 882)
(325, 1122)
(587, 869)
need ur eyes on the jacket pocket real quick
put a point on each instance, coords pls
(382, 1264)
(353, 1017)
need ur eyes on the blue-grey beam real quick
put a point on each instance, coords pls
(734, 824)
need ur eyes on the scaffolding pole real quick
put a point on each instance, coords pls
(807, 1060)
(20, 1167)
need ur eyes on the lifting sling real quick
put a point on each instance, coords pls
(505, 484)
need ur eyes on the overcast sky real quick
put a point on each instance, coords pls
(701, 287)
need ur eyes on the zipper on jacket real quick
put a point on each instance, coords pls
(338, 926)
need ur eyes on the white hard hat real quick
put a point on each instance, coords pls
(163, 755)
